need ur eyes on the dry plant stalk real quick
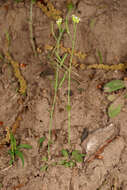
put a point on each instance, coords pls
(17, 73)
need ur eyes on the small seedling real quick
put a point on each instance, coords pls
(15, 150)
(71, 158)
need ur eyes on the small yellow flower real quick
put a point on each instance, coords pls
(59, 22)
(75, 19)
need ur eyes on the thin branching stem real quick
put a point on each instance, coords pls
(55, 88)
(69, 84)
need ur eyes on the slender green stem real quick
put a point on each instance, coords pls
(55, 88)
(52, 110)
(69, 83)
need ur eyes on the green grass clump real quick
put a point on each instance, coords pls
(15, 150)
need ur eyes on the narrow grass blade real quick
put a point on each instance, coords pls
(24, 146)
(20, 155)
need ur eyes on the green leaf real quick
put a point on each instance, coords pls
(24, 146)
(114, 110)
(41, 140)
(65, 153)
(77, 156)
(20, 155)
(114, 85)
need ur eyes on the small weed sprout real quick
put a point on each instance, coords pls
(70, 159)
(15, 150)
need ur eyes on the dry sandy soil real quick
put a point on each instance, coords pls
(103, 27)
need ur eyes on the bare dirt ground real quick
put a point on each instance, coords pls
(103, 27)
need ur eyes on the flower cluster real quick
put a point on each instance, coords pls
(59, 22)
(75, 19)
